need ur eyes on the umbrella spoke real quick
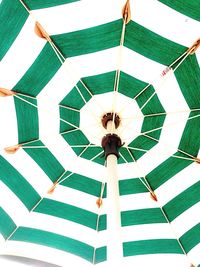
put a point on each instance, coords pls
(153, 195)
(165, 72)
(117, 74)
(174, 233)
(143, 179)
(61, 57)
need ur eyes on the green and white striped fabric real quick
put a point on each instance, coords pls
(62, 86)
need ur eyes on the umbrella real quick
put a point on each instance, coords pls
(100, 116)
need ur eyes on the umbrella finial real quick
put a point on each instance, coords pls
(12, 149)
(194, 47)
(5, 92)
(52, 189)
(40, 32)
(153, 196)
(99, 202)
(126, 12)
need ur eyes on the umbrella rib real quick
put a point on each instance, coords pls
(24, 100)
(117, 75)
(76, 127)
(144, 180)
(137, 149)
(62, 60)
(163, 212)
(22, 94)
(66, 107)
(183, 57)
(70, 131)
(174, 233)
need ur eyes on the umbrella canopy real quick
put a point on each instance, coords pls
(72, 75)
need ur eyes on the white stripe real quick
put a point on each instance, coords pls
(12, 205)
(156, 260)
(137, 201)
(21, 55)
(74, 197)
(194, 254)
(42, 253)
(133, 64)
(78, 15)
(48, 108)
(62, 227)
(176, 185)
(169, 93)
(146, 232)
(168, 142)
(2, 240)
(169, 24)
(8, 122)
(141, 67)
(128, 171)
(186, 220)
(24, 164)
(126, 109)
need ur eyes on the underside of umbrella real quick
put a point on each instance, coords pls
(99, 140)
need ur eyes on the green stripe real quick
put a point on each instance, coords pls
(153, 105)
(141, 142)
(46, 160)
(83, 184)
(92, 152)
(142, 216)
(131, 186)
(70, 116)
(76, 138)
(166, 170)
(191, 238)
(77, 97)
(90, 40)
(138, 38)
(56, 241)
(151, 45)
(152, 123)
(37, 4)
(7, 225)
(183, 201)
(189, 8)
(13, 16)
(100, 254)
(188, 77)
(27, 120)
(68, 212)
(37, 76)
(103, 83)
(17, 184)
(153, 246)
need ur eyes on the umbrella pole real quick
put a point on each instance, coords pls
(111, 143)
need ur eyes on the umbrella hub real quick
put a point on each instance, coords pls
(110, 117)
(111, 142)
